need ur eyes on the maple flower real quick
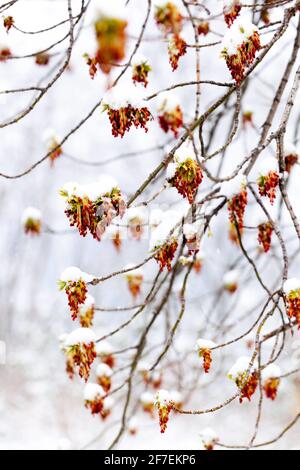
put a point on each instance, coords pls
(104, 373)
(168, 17)
(203, 347)
(184, 173)
(94, 398)
(209, 439)
(86, 312)
(230, 280)
(74, 282)
(291, 156)
(164, 404)
(236, 193)
(247, 119)
(247, 383)
(265, 232)
(271, 380)
(52, 144)
(32, 221)
(5, 52)
(265, 14)
(268, 178)
(140, 69)
(8, 23)
(164, 242)
(132, 426)
(42, 58)
(177, 48)
(79, 348)
(191, 234)
(134, 280)
(170, 114)
(136, 219)
(92, 207)
(291, 289)
(239, 47)
(104, 351)
(147, 402)
(231, 11)
(125, 108)
(203, 28)
(107, 407)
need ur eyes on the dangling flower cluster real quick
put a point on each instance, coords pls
(291, 289)
(8, 23)
(168, 17)
(164, 404)
(246, 384)
(265, 232)
(191, 234)
(110, 29)
(177, 48)
(268, 178)
(104, 373)
(136, 219)
(134, 280)
(264, 14)
(104, 351)
(166, 254)
(87, 312)
(184, 173)
(209, 439)
(154, 379)
(125, 108)
(92, 207)
(94, 398)
(133, 426)
(236, 192)
(230, 281)
(74, 282)
(231, 11)
(203, 28)
(290, 156)
(42, 58)
(170, 114)
(204, 349)
(163, 241)
(247, 119)
(52, 145)
(239, 47)
(32, 221)
(271, 380)
(79, 348)
(147, 402)
(140, 69)
(5, 52)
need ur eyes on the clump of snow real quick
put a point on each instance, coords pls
(290, 149)
(147, 398)
(162, 398)
(176, 397)
(208, 437)
(103, 370)
(204, 344)
(80, 336)
(133, 424)
(139, 59)
(104, 348)
(291, 285)
(191, 230)
(93, 191)
(88, 304)
(168, 102)
(156, 217)
(73, 274)
(92, 392)
(110, 9)
(31, 213)
(121, 96)
(161, 234)
(184, 152)
(135, 213)
(49, 135)
(133, 272)
(272, 371)
(239, 33)
(233, 187)
(231, 277)
(108, 403)
(239, 368)
(266, 165)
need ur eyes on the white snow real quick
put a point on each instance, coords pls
(31, 213)
(240, 31)
(103, 370)
(265, 165)
(291, 285)
(110, 9)
(208, 436)
(168, 102)
(290, 149)
(103, 185)
(162, 398)
(156, 217)
(233, 187)
(190, 230)
(171, 170)
(93, 391)
(231, 277)
(147, 398)
(108, 403)
(184, 152)
(104, 348)
(73, 274)
(176, 396)
(272, 371)
(204, 344)
(239, 368)
(139, 59)
(80, 336)
(121, 96)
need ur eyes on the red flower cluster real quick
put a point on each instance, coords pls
(8, 22)
(233, 234)
(203, 28)
(81, 355)
(247, 119)
(267, 185)
(95, 406)
(165, 254)
(171, 120)
(236, 207)
(168, 18)
(177, 48)
(265, 231)
(42, 59)
(86, 316)
(140, 73)
(76, 292)
(122, 119)
(117, 240)
(249, 388)
(271, 388)
(32, 226)
(205, 353)
(134, 281)
(293, 306)
(232, 12)
(187, 178)
(111, 37)
(237, 63)
(290, 161)
(4, 54)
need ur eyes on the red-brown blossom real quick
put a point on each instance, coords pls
(168, 18)
(265, 231)
(5, 52)
(232, 12)
(140, 73)
(187, 178)
(203, 28)
(171, 120)
(236, 208)
(124, 118)
(42, 59)
(271, 388)
(8, 22)
(77, 293)
(293, 305)
(267, 185)
(111, 38)
(290, 161)
(165, 254)
(249, 388)
(176, 49)
(82, 355)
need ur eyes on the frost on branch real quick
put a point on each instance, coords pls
(246, 381)
(104, 373)
(32, 221)
(191, 234)
(140, 69)
(291, 289)
(52, 145)
(184, 173)
(92, 207)
(203, 347)
(231, 11)
(170, 114)
(271, 380)
(74, 282)
(239, 47)
(209, 439)
(164, 405)
(125, 108)
(134, 280)
(268, 178)
(79, 348)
